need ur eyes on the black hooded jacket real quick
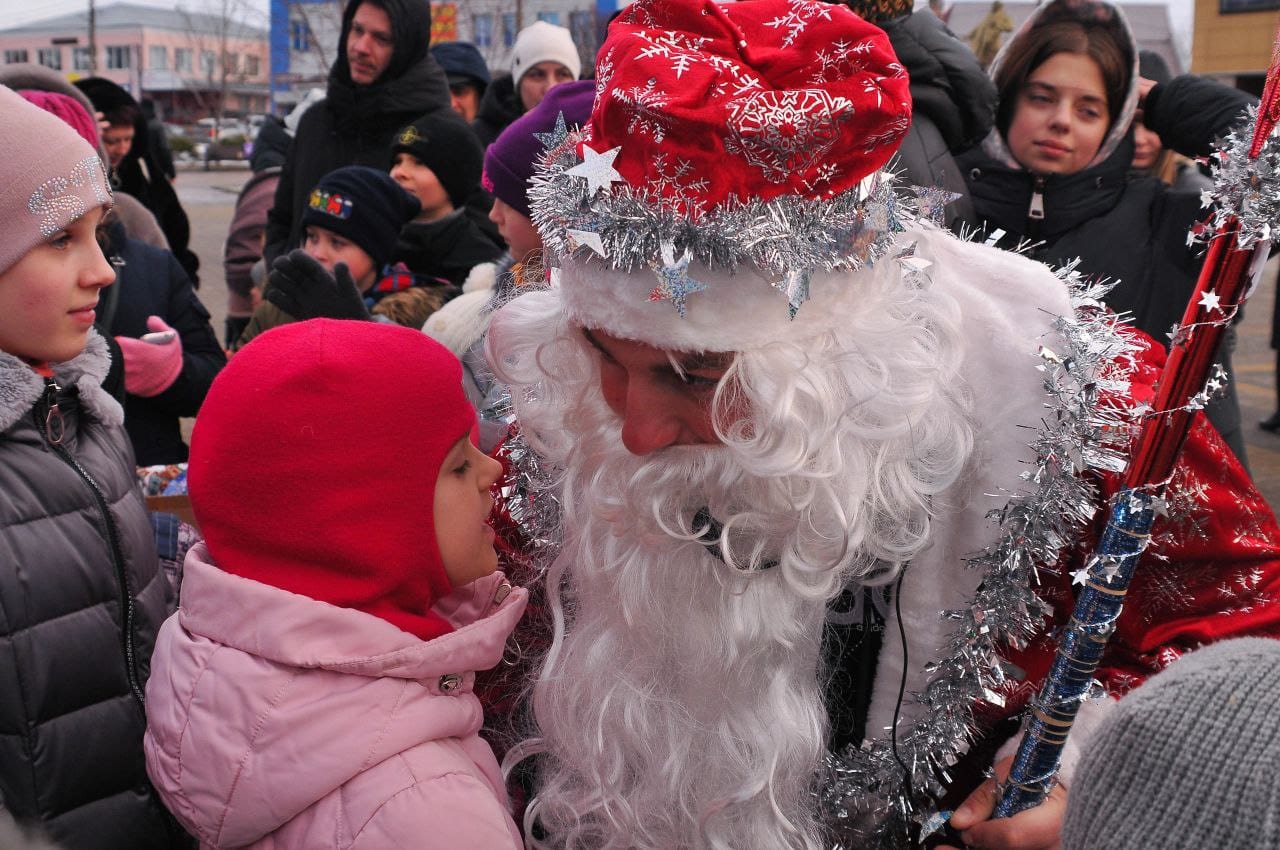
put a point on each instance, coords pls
(355, 125)
(447, 249)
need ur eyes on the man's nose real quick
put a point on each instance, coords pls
(648, 425)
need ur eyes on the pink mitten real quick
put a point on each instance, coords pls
(150, 368)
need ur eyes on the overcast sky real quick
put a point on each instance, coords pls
(21, 11)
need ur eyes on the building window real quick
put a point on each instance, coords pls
(13, 56)
(252, 65)
(182, 59)
(231, 62)
(483, 26)
(158, 57)
(508, 29)
(208, 62)
(50, 57)
(118, 58)
(81, 59)
(299, 36)
(550, 17)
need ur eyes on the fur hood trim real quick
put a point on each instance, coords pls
(21, 387)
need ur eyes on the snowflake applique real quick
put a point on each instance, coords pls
(672, 45)
(1167, 656)
(796, 20)
(733, 80)
(1122, 683)
(841, 62)
(646, 107)
(823, 174)
(1163, 592)
(894, 130)
(670, 187)
(782, 132)
(604, 72)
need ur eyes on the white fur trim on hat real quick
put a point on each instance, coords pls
(544, 42)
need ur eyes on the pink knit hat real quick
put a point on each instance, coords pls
(68, 109)
(49, 176)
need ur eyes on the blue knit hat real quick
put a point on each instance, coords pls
(364, 205)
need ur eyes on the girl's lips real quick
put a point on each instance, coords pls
(1052, 148)
(84, 314)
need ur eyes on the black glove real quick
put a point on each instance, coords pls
(302, 288)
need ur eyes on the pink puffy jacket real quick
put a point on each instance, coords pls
(275, 721)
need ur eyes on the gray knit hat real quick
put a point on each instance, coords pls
(1188, 761)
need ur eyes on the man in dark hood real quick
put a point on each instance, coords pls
(383, 79)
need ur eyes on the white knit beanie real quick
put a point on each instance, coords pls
(49, 177)
(1188, 761)
(544, 42)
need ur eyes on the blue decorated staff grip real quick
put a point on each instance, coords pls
(1106, 578)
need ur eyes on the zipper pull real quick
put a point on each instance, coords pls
(54, 427)
(1036, 210)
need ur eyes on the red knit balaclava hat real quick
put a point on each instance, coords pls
(727, 140)
(314, 462)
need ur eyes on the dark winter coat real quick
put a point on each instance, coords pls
(953, 105)
(447, 249)
(151, 283)
(498, 108)
(355, 125)
(1133, 232)
(81, 600)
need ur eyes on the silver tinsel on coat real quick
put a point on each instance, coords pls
(877, 795)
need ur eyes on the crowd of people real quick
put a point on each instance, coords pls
(696, 445)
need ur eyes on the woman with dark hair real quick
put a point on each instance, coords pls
(1054, 173)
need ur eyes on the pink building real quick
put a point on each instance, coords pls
(184, 61)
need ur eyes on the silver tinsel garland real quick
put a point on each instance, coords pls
(787, 236)
(1248, 189)
(879, 794)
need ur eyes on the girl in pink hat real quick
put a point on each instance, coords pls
(81, 592)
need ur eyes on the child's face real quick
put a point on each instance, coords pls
(421, 182)
(328, 249)
(462, 507)
(517, 229)
(47, 298)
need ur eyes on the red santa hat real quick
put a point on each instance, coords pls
(730, 171)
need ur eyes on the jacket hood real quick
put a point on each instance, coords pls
(412, 83)
(1052, 12)
(309, 695)
(21, 387)
(104, 95)
(449, 248)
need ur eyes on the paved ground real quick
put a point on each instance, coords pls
(209, 198)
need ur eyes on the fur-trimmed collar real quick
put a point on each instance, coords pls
(21, 387)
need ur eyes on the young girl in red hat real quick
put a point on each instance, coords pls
(315, 689)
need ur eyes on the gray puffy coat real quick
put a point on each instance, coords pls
(81, 600)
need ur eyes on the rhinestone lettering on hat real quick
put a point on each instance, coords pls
(783, 132)
(59, 207)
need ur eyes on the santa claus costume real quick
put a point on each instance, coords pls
(785, 635)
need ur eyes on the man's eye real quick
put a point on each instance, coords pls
(461, 470)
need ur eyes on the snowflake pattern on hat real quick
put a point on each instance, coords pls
(726, 146)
